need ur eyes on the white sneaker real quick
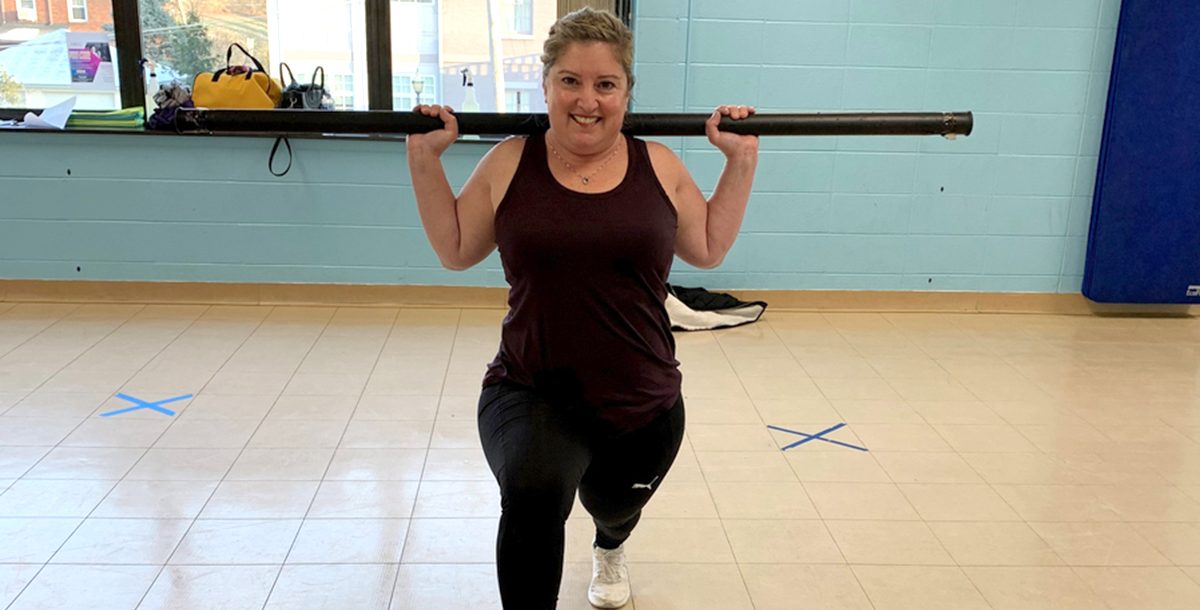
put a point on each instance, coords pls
(610, 578)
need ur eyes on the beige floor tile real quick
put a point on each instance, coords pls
(236, 542)
(848, 466)
(459, 408)
(183, 465)
(1033, 588)
(877, 412)
(364, 500)
(662, 541)
(313, 407)
(210, 587)
(383, 407)
(784, 587)
(669, 586)
(57, 404)
(13, 578)
(957, 502)
(730, 437)
(459, 434)
(260, 500)
(33, 540)
(1179, 542)
(945, 389)
(723, 411)
(458, 499)
(1099, 544)
(86, 587)
(994, 544)
(376, 465)
(678, 500)
(1193, 572)
(781, 541)
(216, 406)
(235, 378)
(326, 384)
(388, 435)
(281, 465)
(1057, 503)
(961, 412)
(155, 500)
(207, 434)
(839, 368)
(984, 438)
(85, 463)
(919, 467)
(888, 542)
(16, 461)
(919, 588)
(123, 541)
(117, 432)
(783, 412)
(856, 389)
(769, 500)
(1054, 438)
(446, 587)
(900, 437)
(451, 541)
(368, 587)
(876, 501)
(1149, 503)
(744, 466)
(1144, 587)
(297, 434)
(456, 465)
(35, 431)
(53, 498)
(332, 541)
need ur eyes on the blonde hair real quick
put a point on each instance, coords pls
(589, 25)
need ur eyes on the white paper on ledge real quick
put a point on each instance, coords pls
(54, 117)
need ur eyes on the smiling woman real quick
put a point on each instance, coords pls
(584, 395)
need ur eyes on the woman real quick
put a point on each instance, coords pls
(584, 394)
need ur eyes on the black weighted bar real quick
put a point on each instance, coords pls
(948, 124)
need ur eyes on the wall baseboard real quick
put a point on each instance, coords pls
(473, 297)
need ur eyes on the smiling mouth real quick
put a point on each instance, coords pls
(585, 120)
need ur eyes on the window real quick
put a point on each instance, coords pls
(520, 16)
(341, 87)
(69, 57)
(186, 38)
(447, 37)
(521, 99)
(27, 10)
(78, 10)
(408, 91)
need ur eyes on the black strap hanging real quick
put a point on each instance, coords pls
(275, 149)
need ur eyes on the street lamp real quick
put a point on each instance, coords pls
(418, 85)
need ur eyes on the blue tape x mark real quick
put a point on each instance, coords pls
(818, 436)
(141, 404)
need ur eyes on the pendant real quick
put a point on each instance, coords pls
(585, 180)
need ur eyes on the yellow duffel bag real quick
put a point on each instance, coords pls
(253, 89)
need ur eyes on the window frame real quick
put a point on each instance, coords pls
(71, 8)
(24, 12)
(128, 41)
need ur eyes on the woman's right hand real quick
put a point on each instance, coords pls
(435, 142)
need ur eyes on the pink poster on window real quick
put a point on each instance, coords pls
(91, 61)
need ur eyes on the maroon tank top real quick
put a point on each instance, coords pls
(586, 325)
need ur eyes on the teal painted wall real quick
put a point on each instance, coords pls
(1006, 209)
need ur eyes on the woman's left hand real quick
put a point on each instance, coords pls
(732, 144)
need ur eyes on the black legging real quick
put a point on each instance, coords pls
(540, 456)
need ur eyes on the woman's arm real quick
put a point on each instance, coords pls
(460, 229)
(707, 229)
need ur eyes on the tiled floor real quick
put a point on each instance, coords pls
(329, 459)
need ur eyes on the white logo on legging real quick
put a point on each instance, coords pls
(649, 485)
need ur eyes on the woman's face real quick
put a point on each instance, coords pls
(586, 96)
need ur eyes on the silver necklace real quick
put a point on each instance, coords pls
(582, 178)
